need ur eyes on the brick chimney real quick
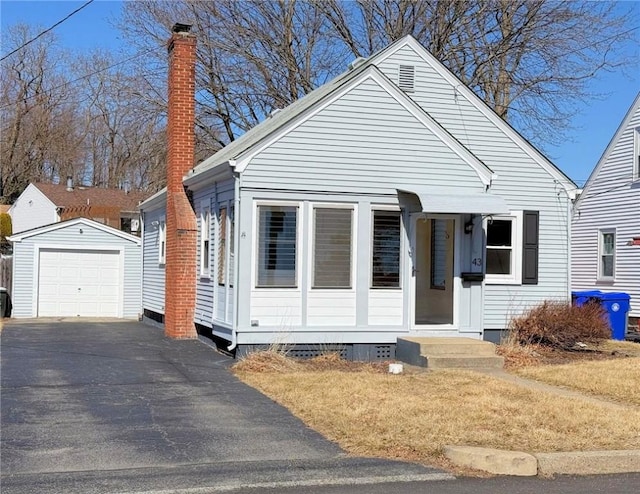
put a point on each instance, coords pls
(181, 226)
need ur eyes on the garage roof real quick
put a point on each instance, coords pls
(18, 237)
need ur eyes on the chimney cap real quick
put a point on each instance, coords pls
(181, 28)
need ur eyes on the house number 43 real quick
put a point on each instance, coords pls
(477, 261)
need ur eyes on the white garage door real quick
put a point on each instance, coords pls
(79, 283)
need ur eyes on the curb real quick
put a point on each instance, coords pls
(502, 462)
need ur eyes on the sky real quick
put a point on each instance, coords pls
(592, 128)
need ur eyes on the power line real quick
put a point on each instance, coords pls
(86, 76)
(46, 31)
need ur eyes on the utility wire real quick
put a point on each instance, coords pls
(46, 31)
(81, 78)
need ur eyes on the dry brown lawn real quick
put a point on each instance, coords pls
(618, 379)
(413, 415)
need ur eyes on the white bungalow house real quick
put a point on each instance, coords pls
(606, 220)
(389, 202)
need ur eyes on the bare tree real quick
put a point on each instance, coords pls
(253, 56)
(39, 140)
(530, 60)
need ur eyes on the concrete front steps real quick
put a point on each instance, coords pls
(448, 353)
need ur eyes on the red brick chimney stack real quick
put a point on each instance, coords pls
(181, 226)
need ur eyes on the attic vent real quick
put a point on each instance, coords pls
(406, 77)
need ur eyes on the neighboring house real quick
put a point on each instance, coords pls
(76, 267)
(605, 251)
(389, 202)
(42, 204)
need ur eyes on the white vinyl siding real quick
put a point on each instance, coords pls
(31, 210)
(610, 201)
(521, 181)
(153, 276)
(355, 141)
(214, 294)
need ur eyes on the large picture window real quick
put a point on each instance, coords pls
(332, 247)
(277, 242)
(385, 267)
(607, 256)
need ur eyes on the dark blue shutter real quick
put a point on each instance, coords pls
(530, 233)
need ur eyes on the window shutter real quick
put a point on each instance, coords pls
(530, 247)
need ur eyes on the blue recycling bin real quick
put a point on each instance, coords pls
(615, 304)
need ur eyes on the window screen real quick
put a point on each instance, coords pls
(385, 267)
(277, 233)
(332, 249)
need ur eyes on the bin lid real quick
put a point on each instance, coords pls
(586, 293)
(615, 296)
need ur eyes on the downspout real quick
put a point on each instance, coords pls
(236, 257)
(141, 313)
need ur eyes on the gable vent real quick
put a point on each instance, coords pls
(406, 77)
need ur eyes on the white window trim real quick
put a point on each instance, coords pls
(162, 241)
(515, 278)
(601, 233)
(636, 156)
(256, 244)
(354, 245)
(205, 227)
(373, 210)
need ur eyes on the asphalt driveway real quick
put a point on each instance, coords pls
(115, 406)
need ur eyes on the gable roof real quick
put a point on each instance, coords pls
(294, 114)
(635, 107)
(90, 196)
(281, 119)
(275, 121)
(18, 237)
(476, 101)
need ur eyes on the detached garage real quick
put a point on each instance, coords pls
(76, 268)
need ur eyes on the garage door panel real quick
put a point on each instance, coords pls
(79, 283)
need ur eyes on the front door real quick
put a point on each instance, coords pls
(434, 250)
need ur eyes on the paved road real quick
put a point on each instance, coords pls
(105, 407)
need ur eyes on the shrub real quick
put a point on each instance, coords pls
(5, 225)
(561, 325)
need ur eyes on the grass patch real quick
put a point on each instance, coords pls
(412, 416)
(617, 379)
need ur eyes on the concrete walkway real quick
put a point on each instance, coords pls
(114, 406)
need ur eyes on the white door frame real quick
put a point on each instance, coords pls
(457, 285)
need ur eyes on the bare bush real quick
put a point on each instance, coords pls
(560, 325)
